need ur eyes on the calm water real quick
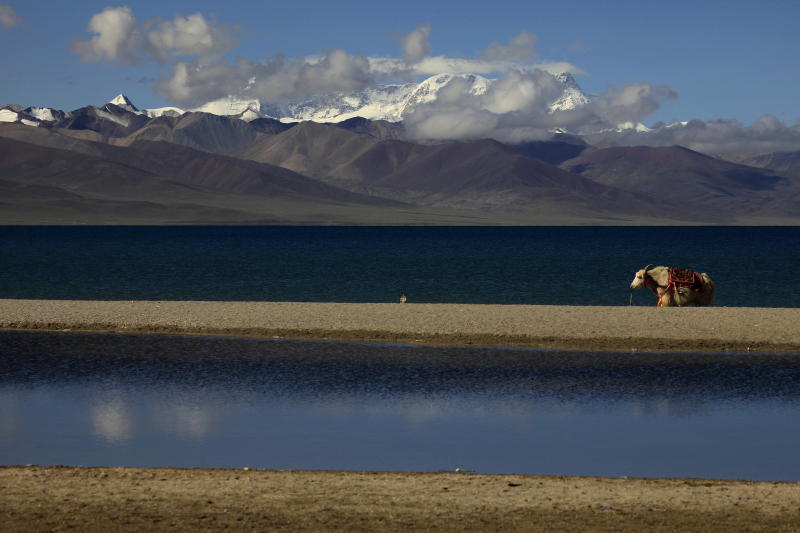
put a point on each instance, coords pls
(586, 265)
(84, 399)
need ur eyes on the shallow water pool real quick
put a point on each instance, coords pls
(127, 400)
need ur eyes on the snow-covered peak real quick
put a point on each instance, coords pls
(8, 114)
(231, 105)
(391, 102)
(637, 127)
(45, 114)
(428, 90)
(382, 102)
(164, 112)
(568, 81)
(124, 102)
(573, 96)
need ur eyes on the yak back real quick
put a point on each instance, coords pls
(685, 277)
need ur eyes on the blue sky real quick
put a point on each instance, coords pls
(724, 59)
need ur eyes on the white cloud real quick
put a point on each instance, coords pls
(192, 35)
(722, 136)
(522, 92)
(388, 66)
(415, 44)
(518, 99)
(276, 80)
(519, 48)
(116, 37)
(631, 103)
(517, 107)
(9, 17)
(119, 38)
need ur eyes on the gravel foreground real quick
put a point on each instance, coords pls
(564, 327)
(165, 499)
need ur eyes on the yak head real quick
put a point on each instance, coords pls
(639, 278)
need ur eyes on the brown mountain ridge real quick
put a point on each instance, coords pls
(362, 171)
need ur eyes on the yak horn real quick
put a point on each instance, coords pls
(645, 268)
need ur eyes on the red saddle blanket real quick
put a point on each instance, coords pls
(686, 278)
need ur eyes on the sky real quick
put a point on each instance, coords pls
(704, 60)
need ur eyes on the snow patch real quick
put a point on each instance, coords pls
(164, 112)
(7, 115)
(230, 105)
(45, 114)
(122, 121)
(638, 127)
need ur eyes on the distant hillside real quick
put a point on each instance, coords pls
(684, 176)
(475, 175)
(205, 168)
(786, 163)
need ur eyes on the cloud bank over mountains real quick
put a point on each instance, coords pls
(723, 136)
(515, 108)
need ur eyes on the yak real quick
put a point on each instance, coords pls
(675, 287)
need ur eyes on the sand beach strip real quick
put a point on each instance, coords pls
(544, 326)
(165, 499)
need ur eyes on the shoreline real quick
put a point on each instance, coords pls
(596, 328)
(38, 498)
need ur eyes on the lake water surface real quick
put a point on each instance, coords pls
(501, 265)
(109, 399)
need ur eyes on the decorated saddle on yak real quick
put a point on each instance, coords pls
(684, 278)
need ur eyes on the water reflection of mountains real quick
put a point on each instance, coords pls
(294, 369)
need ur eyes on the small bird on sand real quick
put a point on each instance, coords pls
(403, 299)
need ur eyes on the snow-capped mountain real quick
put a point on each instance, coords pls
(247, 109)
(30, 116)
(124, 102)
(382, 102)
(573, 96)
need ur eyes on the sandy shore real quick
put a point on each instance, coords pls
(132, 499)
(565, 327)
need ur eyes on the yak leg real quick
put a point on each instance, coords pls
(665, 299)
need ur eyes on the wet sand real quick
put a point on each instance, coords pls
(562, 327)
(134, 499)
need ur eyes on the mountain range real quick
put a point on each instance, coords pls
(116, 164)
(381, 102)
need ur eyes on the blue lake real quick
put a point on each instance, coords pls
(753, 266)
(107, 399)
